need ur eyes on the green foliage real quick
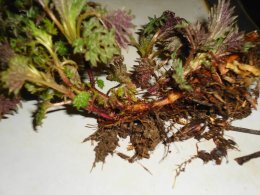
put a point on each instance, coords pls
(69, 10)
(41, 35)
(153, 24)
(98, 43)
(247, 46)
(178, 76)
(39, 55)
(121, 91)
(11, 23)
(49, 26)
(61, 48)
(43, 107)
(79, 45)
(33, 89)
(46, 2)
(100, 83)
(82, 100)
(183, 24)
(32, 12)
(73, 75)
(144, 47)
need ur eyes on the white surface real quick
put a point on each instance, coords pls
(53, 161)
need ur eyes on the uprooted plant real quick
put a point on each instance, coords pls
(198, 76)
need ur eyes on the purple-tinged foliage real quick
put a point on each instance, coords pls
(170, 20)
(233, 42)
(221, 19)
(121, 21)
(7, 105)
(196, 35)
(143, 73)
(15, 76)
(6, 52)
(219, 34)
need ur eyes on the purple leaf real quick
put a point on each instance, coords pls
(196, 34)
(143, 73)
(232, 42)
(7, 105)
(121, 21)
(170, 20)
(221, 19)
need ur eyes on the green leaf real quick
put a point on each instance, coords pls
(40, 56)
(99, 42)
(47, 95)
(120, 91)
(173, 55)
(182, 24)
(178, 76)
(50, 27)
(100, 83)
(144, 47)
(32, 12)
(69, 10)
(247, 46)
(46, 2)
(153, 24)
(33, 89)
(72, 73)
(60, 48)
(43, 107)
(40, 35)
(78, 45)
(81, 100)
(41, 113)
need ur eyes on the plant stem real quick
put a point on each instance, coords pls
(53, 85)
(95, 90)
(67, 102)
(244, 159)
(99, 112)
(153, 41)
(143, 106)
(90, 76)
(59, 67)
(243, 130)
(52, 16)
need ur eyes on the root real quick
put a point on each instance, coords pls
(244, 159)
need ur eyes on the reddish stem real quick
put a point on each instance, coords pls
(99, 112)
(91, 76)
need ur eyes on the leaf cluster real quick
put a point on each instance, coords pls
(81, 100)
(97, 43)
(219, 34)
(8, 105)
(121, 22)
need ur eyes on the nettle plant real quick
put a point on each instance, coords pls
(197, 77)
